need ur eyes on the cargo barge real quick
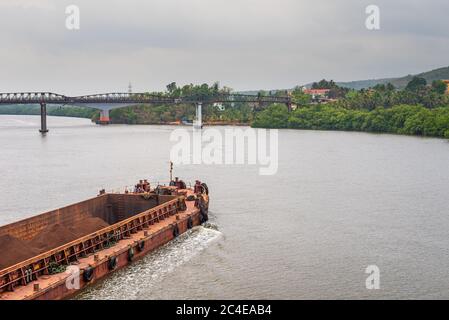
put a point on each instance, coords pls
(56, 254)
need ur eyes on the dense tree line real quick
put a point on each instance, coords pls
(148, 114)
(401, 119)
(419, 109)
(416, 93)
(78, 112)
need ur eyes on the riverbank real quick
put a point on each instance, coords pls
(401, 119)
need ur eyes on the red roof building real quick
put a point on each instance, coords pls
(317, 92)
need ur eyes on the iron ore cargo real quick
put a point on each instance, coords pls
(55, 254)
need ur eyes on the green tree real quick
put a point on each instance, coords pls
(439, 86)
(416, 84)
(324, 84)
(299, 97)
(275, 116)
(390, 87)
(171, 87)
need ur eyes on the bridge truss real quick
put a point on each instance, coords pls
(107, 101)
(134, 98)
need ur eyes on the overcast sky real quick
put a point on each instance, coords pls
(244, 44)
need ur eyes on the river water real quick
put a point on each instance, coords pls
(339, 202)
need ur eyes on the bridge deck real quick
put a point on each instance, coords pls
(133, 98)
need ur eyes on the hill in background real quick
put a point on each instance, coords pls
(400, 83)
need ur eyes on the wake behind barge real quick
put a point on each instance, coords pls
(55, 254)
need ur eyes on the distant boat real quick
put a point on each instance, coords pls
(186, 121)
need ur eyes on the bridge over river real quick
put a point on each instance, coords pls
(108, 101)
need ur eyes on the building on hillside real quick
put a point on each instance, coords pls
(318, 95)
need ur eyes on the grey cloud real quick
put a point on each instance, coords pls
(245, 44)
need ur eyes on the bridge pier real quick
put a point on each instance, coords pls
(43, 129)
(104, 117)
(199, 117)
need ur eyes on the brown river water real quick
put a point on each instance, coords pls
(339, 202)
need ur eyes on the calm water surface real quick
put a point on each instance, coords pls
(339, 202)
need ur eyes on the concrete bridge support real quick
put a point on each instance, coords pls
(199, 117)
(43, 128)
(104, 117)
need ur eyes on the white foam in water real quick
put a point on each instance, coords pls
(142, 275)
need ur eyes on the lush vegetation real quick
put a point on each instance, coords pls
(148, 114)
(417, 93)
(402, 119)
(417, 110)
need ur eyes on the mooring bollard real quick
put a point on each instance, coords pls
(145, 233)
(96, 257)
(36, 287)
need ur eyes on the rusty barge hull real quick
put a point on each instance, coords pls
(138, 224)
